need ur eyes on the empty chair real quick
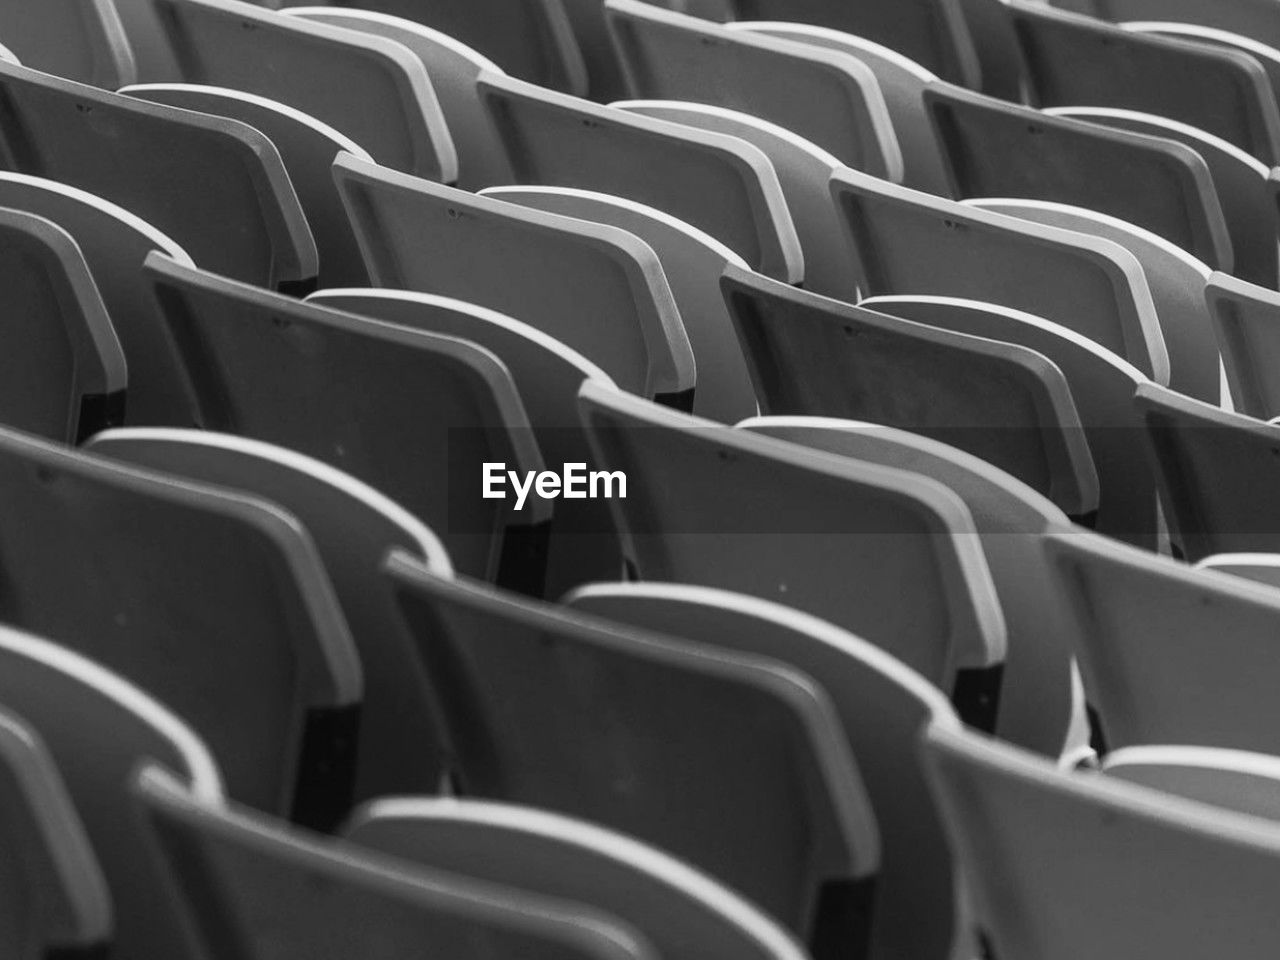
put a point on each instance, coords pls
(1257, 19)
(810, 355)
(997, 149)
(255, 886)
(454, 69)
(599, 290)
(1176, 279)
(831, 100)
(412, 414)
(371, 89)
(685, 913)
(804, 170)
(307, 148)
(353, 527)
(97, 728)
(55, 899)
(1246, 319)
(1235, 779)
(81, 40)
(883, 707)
(576, 715)
(860, 545)
(692, 263)
(906, 242)
(63, 374)
(1073, 60)
(217, 187)
(719, 184)
(1267, 56)
(1259, 567)
(604, 74)
(1064, 865)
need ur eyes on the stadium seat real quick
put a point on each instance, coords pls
(1233, 779)
(81, 40)
(1257, 19)
(1265, 54)
(1259, 567)
(1246, 320)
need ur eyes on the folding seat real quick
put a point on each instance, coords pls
(1074, 60)
(307, 148)
(686, 914)
(605, 81)
(1235, 779)
(353, 528)
(597, 289)
(804, 171)
(902, 83)
(454, 69)
(692, 263)
(63, 374)
(997, 149)
(1259, 567)
(576, 715)
(883, 707)
(215, 186)
(1176, 279)
(1257, 19)
(1268, 57)
(80, 40)
(1242, 183)
(829, 99)
(718, 184)
(905, 242)
(259, 890)
(1065, 865)
(859, 545)
(97, 728)
(1246, 319)
(813, 356)
(412, 414)
(1102, 386)
(53, 897)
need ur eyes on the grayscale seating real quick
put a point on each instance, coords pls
(597, 289)
(1265, 54)
(81, 40)
(1064, 865)
(306, 146)
(217, 187)
(767, 798)
(53, 896)
(1252, 18)
(889, 556)
(249, 880)
(831, 100)
(1259, 567)
(412, 414)
(604, 74)
(353, 527)
(1233, 779)
(997, 149)
(685, 913)
(906, 242)
(883, 707)
(1246, 320)
(719, 184)
(813, 356)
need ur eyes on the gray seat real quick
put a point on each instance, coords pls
(1247, 322)
(247, 879)
(81, 40)
(1267, 56)
(597, 289)
(604, 74)
(1259, 567)
(1234, 779)
(576, 715)
(1257, 19)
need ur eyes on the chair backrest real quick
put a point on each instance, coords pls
(1214, 470)
(576, 715)
(1259, 567)
(604, 74)
(997, 149)
(53, 895)
(353, 528)
(217, 187)
(719, 184)
(1176, 279)
(63, 374)
(306, 146)
(248, 879)
(1064, 865)
(599, 290)
(373, 90)
(1074, 60)
(97, 729)
(453, 69)
(410, 413)
(906, 242)
(718, 507)
(829, 99)
(81, 40)
(1267, 56)
(813, 356)
(883, 707)
(1252, 18)
(1246, 319)
(1235, 779)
